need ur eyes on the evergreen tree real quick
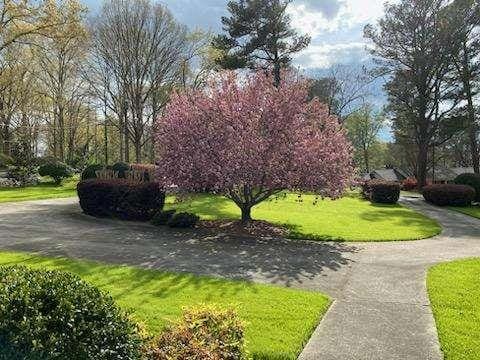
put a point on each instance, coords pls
(259, 36)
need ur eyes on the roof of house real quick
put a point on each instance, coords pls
(449, 174)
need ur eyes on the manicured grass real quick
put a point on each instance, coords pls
(348, 219)
(454, 290)
(470, 210)
(279, 320)
(45, 190)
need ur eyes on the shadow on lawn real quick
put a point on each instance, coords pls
(61, 230)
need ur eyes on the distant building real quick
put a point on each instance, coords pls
(441, 175)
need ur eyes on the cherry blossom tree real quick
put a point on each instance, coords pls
(248, 140)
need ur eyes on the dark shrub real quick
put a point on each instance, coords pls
(53, 315)
(449, 194)
(162, 217)
(183, 220)
(204, 333)
(381, 192)
(90, 171)
(121, 168)
(58, 171)
(120, 198)
(472, 180)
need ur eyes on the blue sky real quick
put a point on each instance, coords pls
(336, 26)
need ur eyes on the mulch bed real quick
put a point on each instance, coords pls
(253, 228)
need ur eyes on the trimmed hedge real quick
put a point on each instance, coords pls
(449, 194)
(121, 199)
(381, 192)
(472, 180)
(54, 315)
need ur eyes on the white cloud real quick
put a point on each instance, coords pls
(326, 55)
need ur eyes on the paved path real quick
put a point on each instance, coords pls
(381, 310)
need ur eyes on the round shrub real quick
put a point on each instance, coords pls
(90, 171)
(472, 180)
(162, 217)
(449, 194)
(183, 220)
(381, 192)
(58, 171)
(203, 333)
(54, 315)
(409, 184)
(121, 168)
(120, 198)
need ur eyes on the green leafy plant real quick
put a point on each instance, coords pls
(5, 161)
(204, 332)
(58, 171)
(121, 168)
(54, 315)
(183, 220)
(162, 217)
(90, 172)
(472, 180)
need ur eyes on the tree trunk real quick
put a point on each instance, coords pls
(246, 213)
(422, 165)
(277, 74)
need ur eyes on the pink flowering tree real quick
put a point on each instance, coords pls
(248, 140)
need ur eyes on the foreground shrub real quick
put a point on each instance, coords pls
(409, 184)
(205, 333)
(90, 171)
(57, 170)
(120, 198)
(449, 194)
(121, 168)
(381, 192)
(162, 217)
(183, 220)
(472, 180)
(46, 315)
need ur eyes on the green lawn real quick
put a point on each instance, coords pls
(279, 320)
(348, 219)
(45, 190)
(454, 290)
(469, 210)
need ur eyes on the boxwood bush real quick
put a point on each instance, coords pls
(382, 192)
(183, 220)
(449, 194)
(90, 172)
(472, 180)
(53, 315)
(204, 332)
(120, 198)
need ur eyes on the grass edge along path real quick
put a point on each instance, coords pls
(42, 191)
(279, 320)
(473, 211)
(454, 291)
(347, 219)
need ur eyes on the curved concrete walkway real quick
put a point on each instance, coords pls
(381, 308)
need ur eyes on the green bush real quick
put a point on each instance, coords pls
(183, 220)
(472, 180)
(162, 217)
(54, 315)
(90, 172)
(58, 171)
(5, 161)
(121, 168)
(204, 333)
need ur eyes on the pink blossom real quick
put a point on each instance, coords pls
(248, 140)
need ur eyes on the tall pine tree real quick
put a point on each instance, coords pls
(258, 35)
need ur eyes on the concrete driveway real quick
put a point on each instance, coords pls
(381, 308)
